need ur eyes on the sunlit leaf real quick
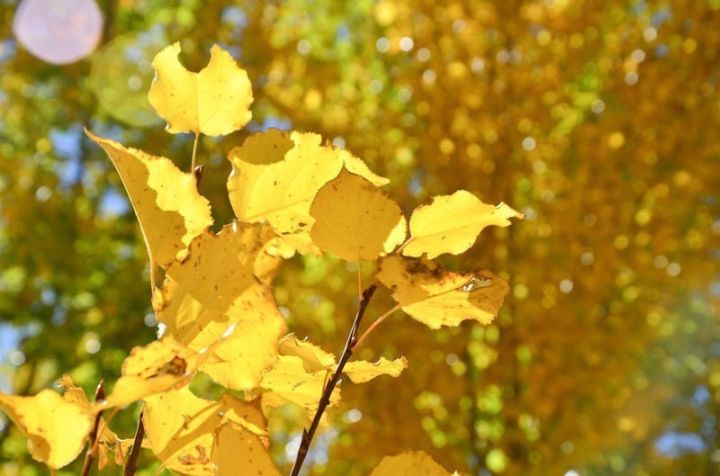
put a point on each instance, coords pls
(56, 427)
(180, 427)
(441, 298)
(154, 368)
(452, 223)
(276, 176)
(168, 206)
(355, 220)
(411, 463)
(215, 101)
(288, 382)
(237, 451)
(361, 371)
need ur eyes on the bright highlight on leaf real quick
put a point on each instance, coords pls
(441, 298)
(452, 223)
(56, 427)
(412, 463)
(276, 176)
(168, 206)
(215, 101)
(355, 220)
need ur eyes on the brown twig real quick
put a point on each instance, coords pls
(374, 325)
(132, 460)
(92, 447)
(308, 434)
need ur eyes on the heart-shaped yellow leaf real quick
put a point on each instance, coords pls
(355, 220)
(441, 298)
(215, 101)
(56, 427)
(452, 223)
(170, 210)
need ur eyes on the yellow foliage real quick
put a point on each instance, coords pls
(154, 368)
(168, 206)
(355, 220)
(215, 101)
(441, 298)
(56, 427)
(237, 451)
(409, 464)
(452, 223)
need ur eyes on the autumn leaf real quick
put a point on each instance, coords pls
(411, 463)
(312, 356)
(203, 295)
(237, 451)
(355, 220)
(154, 368)
(56, 427)
(167, 204)
(180, 427)
(215, 101)
(441, 298)
(288, 382)
(276, 175)
(452, 223)
(361, 371)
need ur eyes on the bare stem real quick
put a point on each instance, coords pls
(351, 341)
(375, 323)
(194, 152)
(132, 460)
(92, 446)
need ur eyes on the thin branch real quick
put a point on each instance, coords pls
(194, 153)
(375, 323)
(92, 446)
(308, 434)
(132, 460)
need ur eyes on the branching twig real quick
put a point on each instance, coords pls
(375, 323)
(92, 447)
(132, 460)
(308, 434)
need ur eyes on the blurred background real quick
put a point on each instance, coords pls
(600, 120)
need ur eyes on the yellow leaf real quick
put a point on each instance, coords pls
(154, 368)
(56, 427)
(362, 371)
(411, 463)
(201, 295)
(250, 347)
(440, 298)
(355, 220)
(168, 206)
(237, 451)
(276, 176)
(215, 101)
(180, 427)
(312, 356)
(289, 382)
(452, 223)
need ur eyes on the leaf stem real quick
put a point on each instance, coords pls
(92, 446)
(375, 323)
(194, 152)
(351, 341)
(132, 460)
